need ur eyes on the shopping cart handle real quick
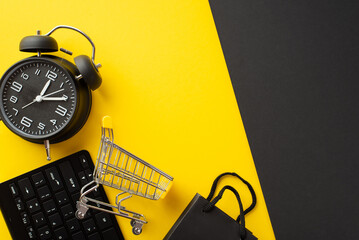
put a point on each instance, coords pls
(107, 122)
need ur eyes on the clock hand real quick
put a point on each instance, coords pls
(33, 101)
(49, 94)
(64, 98)
(45, 88)
(40, 98)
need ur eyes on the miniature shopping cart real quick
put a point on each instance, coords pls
(117, 168)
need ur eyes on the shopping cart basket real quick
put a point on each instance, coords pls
(117, 168)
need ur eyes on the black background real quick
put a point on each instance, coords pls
(294, 66)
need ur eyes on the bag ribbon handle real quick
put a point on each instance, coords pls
(214, 186)
(211, 204)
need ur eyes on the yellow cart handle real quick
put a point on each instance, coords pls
(107, 122)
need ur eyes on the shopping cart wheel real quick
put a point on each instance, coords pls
(79, 215)
(136, 230)
(133, 222)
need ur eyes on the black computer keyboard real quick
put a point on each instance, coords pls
(41, 204)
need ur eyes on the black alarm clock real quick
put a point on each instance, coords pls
(45, 98)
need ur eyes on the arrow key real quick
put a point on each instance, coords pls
(39, 219)
(33, 205)
(89, 226)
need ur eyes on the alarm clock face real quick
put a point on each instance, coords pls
(38, 98)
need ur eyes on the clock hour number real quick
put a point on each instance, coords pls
(41, 126)
(53, 121)
(51, 75)
(16, 86)
(37, 72)
(13, 99)
(24, 76)
(26, 122)
(61, 110)
(16, 111)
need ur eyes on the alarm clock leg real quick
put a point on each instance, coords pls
(47, 147)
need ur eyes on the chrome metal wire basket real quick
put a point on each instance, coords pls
(117, 168)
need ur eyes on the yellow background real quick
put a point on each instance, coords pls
(167, 88)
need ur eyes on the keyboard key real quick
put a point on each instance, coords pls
(103, 220)
(82, 177)
(73, 225)
(88, 174)
(61, 234)
(78, 236)
(38, 179)
(39, 219)
(69, 176)
(44, 192)
(94, 236)
(67, 211)
(75, 197)
(30, 232)
(33, 205)
(26, 189)
(61, 198)
(110, 234)
(44, 233)
(54, 179)
(25, 218)
(84, 161)
(49, 206)
(19, 204)
(55, 220)
(89, 226)
(13, 189)
(88, 214)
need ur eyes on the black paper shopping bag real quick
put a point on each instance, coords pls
(203, 220)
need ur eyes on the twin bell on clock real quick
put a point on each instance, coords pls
(44, 98)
